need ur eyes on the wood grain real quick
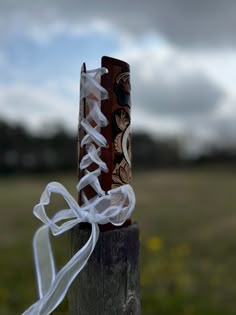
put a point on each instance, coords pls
(109, 284)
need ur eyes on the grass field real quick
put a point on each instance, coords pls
(188, 240)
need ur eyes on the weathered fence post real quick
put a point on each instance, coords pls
(109, 283)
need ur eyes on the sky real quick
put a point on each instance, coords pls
(182, 55)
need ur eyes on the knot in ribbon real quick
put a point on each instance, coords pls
(115, 207)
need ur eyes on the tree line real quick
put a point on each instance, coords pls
(24, 152)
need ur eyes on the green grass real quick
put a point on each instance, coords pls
(188, 240)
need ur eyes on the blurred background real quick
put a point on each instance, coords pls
(183, 71)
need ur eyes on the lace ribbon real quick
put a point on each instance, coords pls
(114, 206)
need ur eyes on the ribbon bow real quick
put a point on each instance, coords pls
(115, 207)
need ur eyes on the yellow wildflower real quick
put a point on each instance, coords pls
(154, 243)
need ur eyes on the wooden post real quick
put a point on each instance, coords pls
(109, 284)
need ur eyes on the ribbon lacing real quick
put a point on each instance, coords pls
(114, 206)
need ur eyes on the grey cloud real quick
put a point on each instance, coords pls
(182, 97)
(225, 130)
(186, 22)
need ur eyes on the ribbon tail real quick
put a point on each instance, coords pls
(44, 261)
(65, 277)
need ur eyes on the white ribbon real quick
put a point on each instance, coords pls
(114, 206)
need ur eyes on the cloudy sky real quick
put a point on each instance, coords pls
(182, 55)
